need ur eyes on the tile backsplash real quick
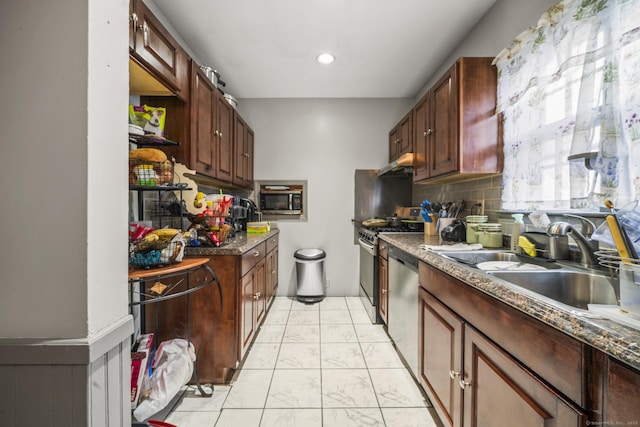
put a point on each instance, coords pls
(487, 191)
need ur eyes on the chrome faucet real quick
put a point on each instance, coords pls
(586, 245)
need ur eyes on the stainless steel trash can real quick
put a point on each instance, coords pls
(310, 274)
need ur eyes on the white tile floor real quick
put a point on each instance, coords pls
(314, 365)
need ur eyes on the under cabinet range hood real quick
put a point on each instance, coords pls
(402, 165)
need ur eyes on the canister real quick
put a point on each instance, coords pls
(472, 226)
(490, 235)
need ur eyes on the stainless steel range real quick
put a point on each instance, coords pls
(375, 197)
(369, 280)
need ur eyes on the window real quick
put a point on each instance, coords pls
(570, 88)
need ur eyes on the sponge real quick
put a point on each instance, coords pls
(526, 245)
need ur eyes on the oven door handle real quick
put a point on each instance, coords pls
(368, 247)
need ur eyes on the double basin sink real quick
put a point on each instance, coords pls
(565, 286)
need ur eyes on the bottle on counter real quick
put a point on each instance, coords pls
(518, 225)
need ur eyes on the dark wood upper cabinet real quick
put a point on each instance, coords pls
(223, 133)
(401, 138)
(157, 51)
(243, 157)
(203, 143)
(456, 125)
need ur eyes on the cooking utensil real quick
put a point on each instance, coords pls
(375, 222)
(614, 226)
(413, 224)
(394, 221)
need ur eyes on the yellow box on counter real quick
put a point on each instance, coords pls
(258, 227)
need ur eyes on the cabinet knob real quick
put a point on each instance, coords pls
(215, 132)
(256, 253)
(220, 135)
(256, 297)
(454, 374)
(133, 18)
(384, 291)
(429, 131)
(464, 384)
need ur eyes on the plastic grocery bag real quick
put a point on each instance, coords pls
(173, 368)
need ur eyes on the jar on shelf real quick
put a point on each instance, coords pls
(472, 226)
(490, 235)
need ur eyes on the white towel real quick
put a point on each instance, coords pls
(456, 247)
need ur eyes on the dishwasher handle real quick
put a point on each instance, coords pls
(403, 258)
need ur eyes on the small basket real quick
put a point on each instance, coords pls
(172, 253)
(150, 174)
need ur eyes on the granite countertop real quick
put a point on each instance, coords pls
(239, 244)
(611, 337)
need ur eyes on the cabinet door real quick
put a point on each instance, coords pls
(394, 140)
(133, 24)
(224, 137)
(156, 48)
(247, 311)
(421, 138)
(405, 134)
(271, 274)
(248, 170)
(441, 341)
(261, 290)
(202, 141)
(498, 391)
(383, 289)
(622, 383)
(443, 153)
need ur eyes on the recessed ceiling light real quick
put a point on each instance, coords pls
(325, 58)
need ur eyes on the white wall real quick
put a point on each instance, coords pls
(322, 141)
(495, 31)
(63, 164)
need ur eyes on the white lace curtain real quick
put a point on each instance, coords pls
(571, 85)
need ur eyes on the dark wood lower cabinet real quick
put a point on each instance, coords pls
(473, 381)
(223, 323)
(441, 357)
(621, 404)
(499, 391)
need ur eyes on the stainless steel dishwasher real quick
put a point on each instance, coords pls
(402, 322)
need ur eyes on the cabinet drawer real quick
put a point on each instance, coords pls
(251, 257)
(272, 243)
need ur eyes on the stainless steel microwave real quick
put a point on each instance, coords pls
(281, 201)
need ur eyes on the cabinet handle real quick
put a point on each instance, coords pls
(220, 135)
(424, 133)
(145, 32)
(134, 18)
(429, 131)
(273, 272)
(246, 155)
(454, 374)
(464, 384)
(256, 297)
(384, 291)
(256, 253)
(215, 132)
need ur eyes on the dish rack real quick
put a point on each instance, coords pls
(626, 272)
(611, 259)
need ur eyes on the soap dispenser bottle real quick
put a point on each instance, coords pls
(518, 226)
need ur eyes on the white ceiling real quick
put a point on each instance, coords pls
(267, 48)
